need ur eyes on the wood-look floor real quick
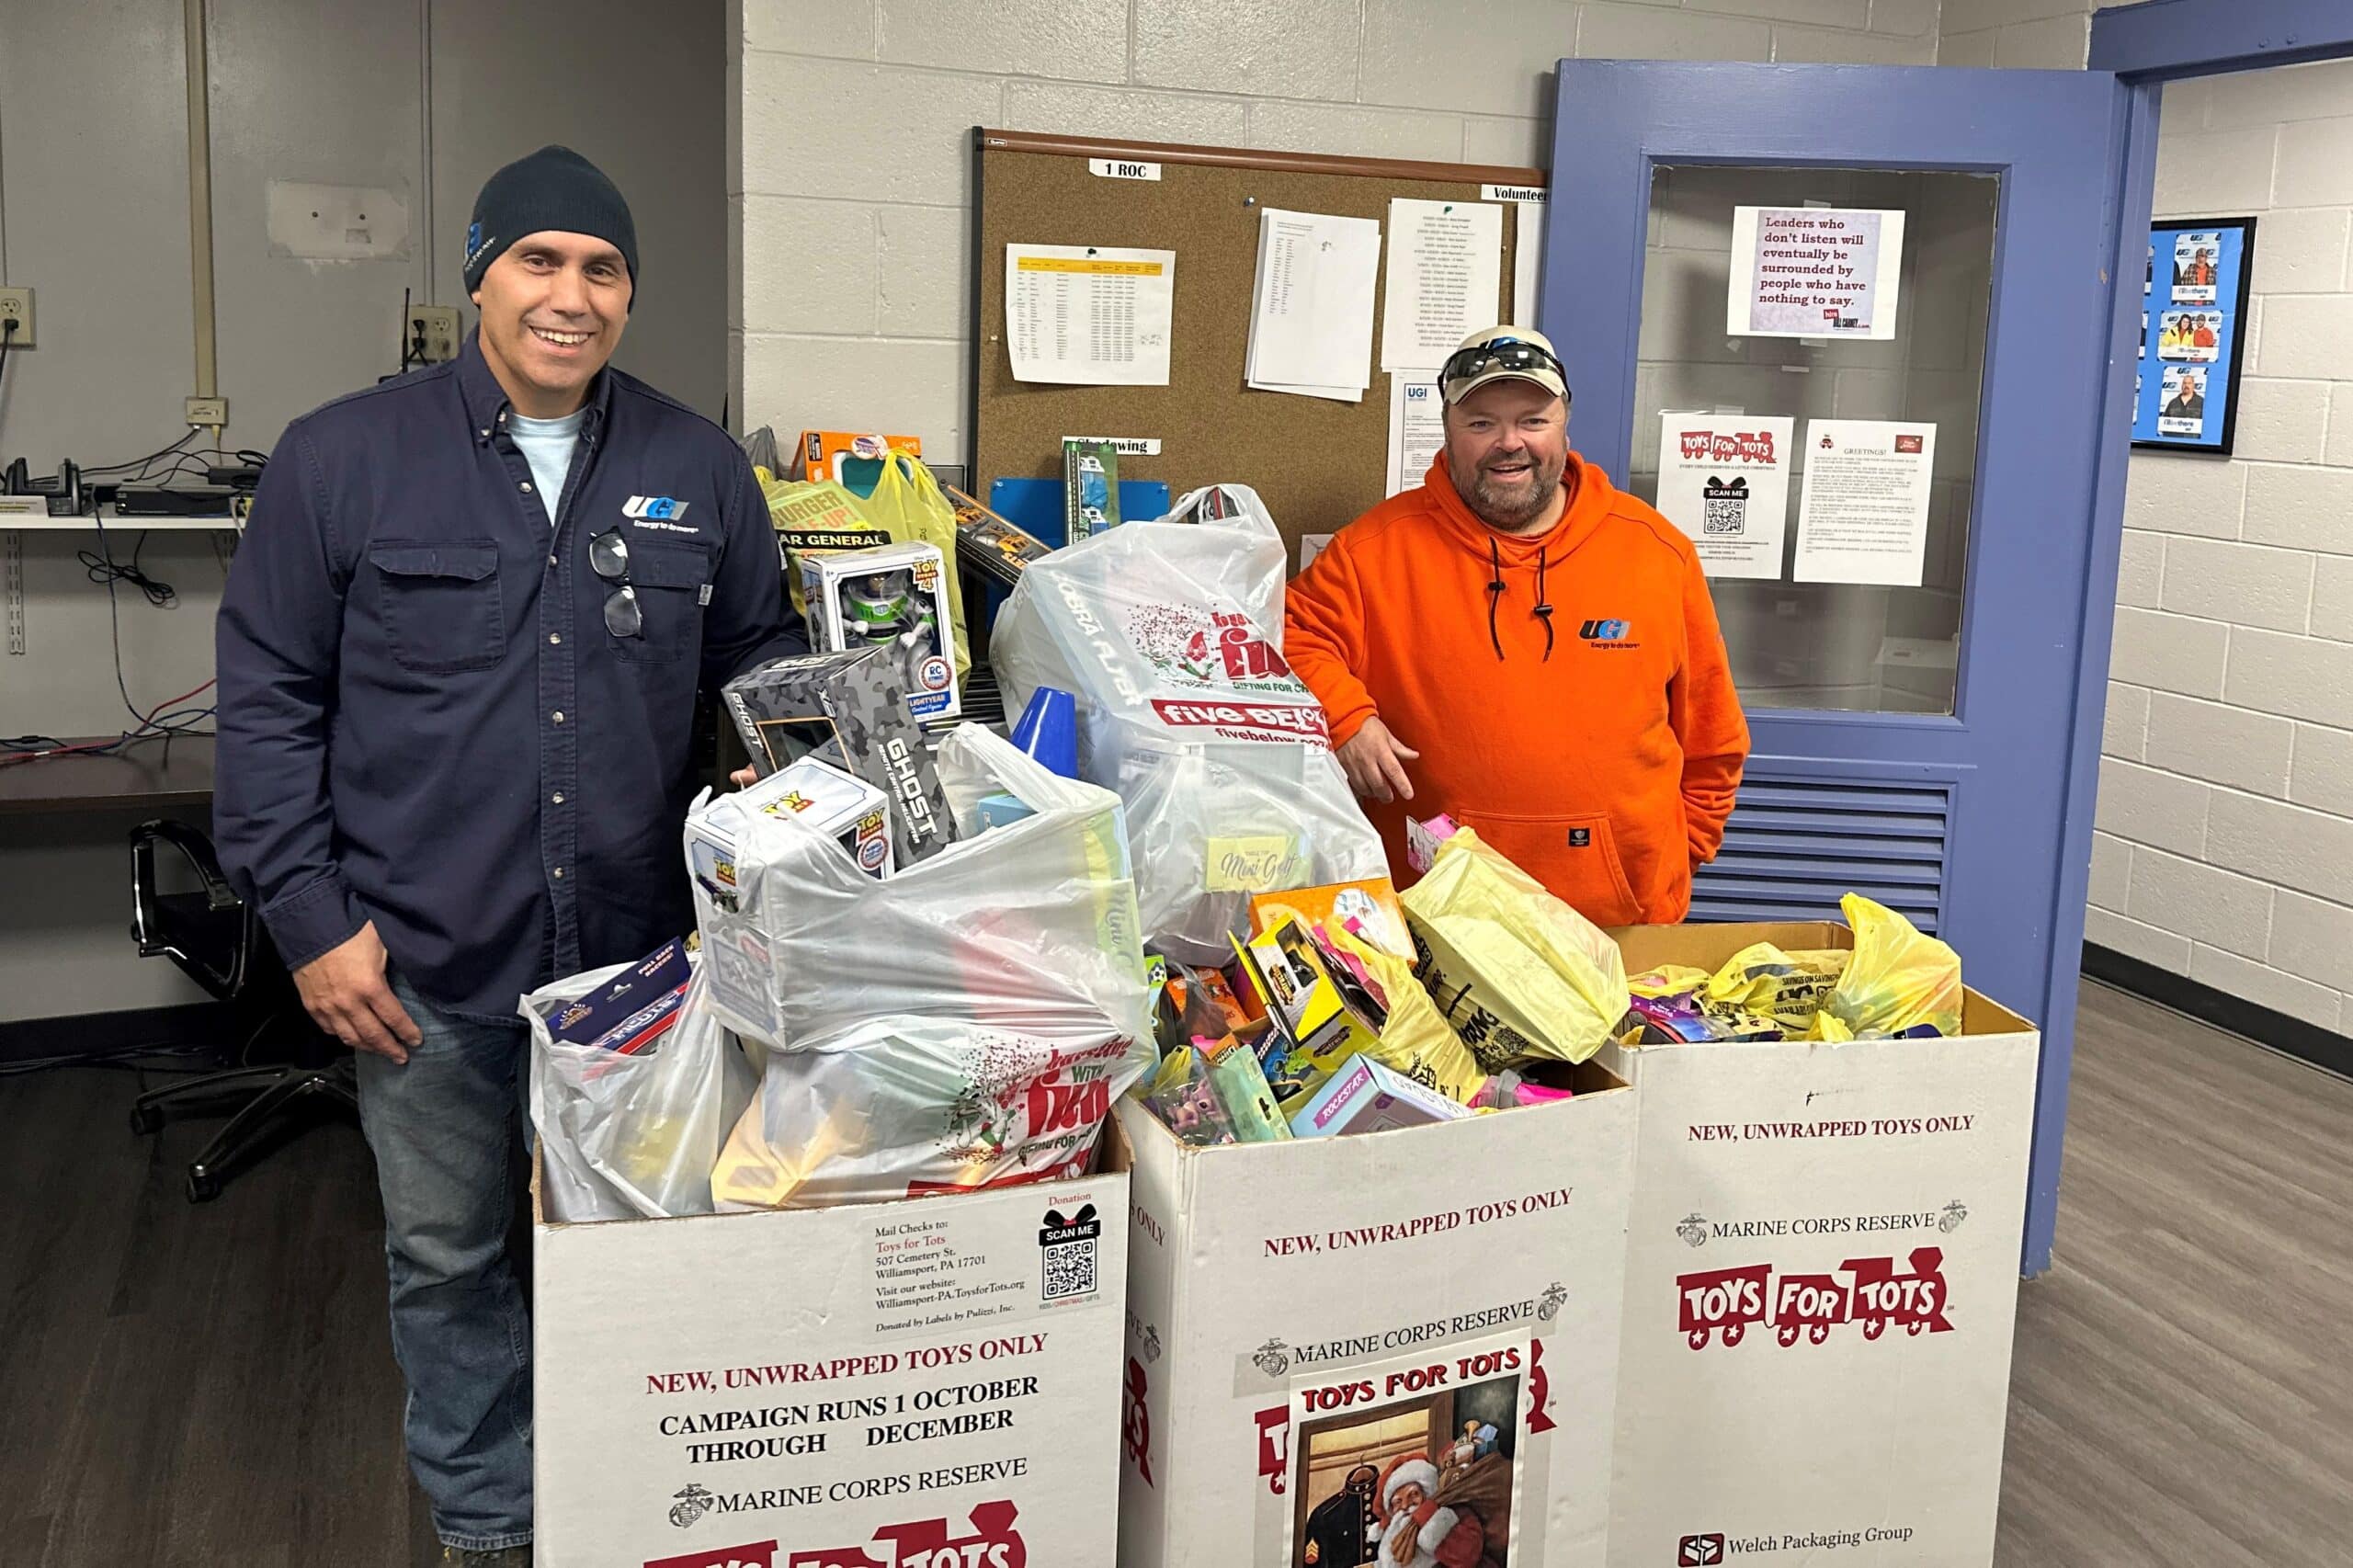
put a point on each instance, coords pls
(213, 1386)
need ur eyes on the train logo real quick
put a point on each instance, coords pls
(1724, 1304)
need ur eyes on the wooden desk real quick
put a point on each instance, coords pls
(145, 775)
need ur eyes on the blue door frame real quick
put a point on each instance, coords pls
(2143, 46)
(2011, 875)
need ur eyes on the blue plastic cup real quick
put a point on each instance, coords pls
(1049, 730)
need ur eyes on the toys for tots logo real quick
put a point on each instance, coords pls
(759, 1554)
(927, 1543)
(1726, 1302)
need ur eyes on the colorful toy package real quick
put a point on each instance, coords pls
(1365, 912)
(895, 597)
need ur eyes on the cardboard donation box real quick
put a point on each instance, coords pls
(1313, 1323)
(913, 1385)
(1821, 1274)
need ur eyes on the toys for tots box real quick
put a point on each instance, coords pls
(927, 1383)
(1821, 1274)
(1311, 1321)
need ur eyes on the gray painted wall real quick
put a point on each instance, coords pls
(94, 218)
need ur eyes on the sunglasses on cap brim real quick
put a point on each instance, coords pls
(1514, 354)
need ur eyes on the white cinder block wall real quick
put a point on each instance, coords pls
(2225, 842)
(849, 138)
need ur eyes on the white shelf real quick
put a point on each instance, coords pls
(119, 525)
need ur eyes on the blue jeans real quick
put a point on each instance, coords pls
(444, 1129)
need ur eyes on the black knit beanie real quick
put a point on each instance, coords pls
(557, 188)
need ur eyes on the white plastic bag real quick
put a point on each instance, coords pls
(900, 1106)
(625, 1137)
(1169, 633)
(996, 930)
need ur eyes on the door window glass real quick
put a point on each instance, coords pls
(1859, 647)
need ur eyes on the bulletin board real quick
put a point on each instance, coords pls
(2193, 334)
(1317, 464)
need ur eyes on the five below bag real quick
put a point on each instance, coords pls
(625, 1137)
(800, 944)
(1169, 633)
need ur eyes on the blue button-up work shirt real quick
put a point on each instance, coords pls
(423, 718)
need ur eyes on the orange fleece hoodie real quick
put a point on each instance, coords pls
(1602, 753)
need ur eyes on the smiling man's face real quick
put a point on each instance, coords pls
(552, 309)
(1506, 445)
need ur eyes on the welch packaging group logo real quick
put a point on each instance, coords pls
(1699, 1550)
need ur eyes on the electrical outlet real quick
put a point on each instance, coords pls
(17, 305)
(211, 411)
(438, 325)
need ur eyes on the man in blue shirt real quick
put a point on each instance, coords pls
(459, 657)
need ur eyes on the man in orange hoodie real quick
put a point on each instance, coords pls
(1528, 648)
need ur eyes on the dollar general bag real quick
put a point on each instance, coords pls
(814, 516)
(1169, 633)
(1517, 973)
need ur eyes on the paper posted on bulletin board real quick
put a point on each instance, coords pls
(1089, 316)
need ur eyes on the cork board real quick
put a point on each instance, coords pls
(1318, 464)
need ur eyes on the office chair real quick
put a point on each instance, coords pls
(218, 941)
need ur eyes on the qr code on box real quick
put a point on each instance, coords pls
(1725, 515)
(1067, 1246)
(1070, 1270)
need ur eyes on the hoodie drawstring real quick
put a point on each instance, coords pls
(1543, 607)
(1495, 596)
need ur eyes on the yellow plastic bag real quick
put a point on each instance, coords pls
(1416, 1040)
(815, 515)
(1788, 988)
(907, 504)
(1668, 980)
(1515, 971)
(1898, 980)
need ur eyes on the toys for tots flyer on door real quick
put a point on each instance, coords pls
(1724, 480)
(923, 1384)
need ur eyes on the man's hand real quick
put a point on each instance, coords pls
(1375, 763)
(744, 777)
(344, 991)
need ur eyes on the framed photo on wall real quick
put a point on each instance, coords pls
(2193, 334)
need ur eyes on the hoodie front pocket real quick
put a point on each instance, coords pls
(1575, 858)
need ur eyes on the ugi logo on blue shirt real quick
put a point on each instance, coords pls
(653, 506)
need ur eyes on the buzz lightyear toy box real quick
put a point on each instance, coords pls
(893, 594)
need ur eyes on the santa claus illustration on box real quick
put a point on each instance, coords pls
(1427, 1526)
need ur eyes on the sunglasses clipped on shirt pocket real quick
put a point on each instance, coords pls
(442, 610)
(673, 585)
